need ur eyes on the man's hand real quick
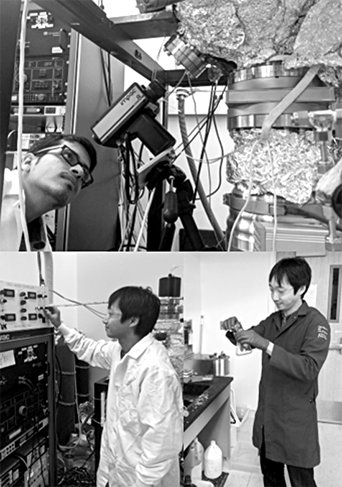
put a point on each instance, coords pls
(231, 324)
(249, 337)
(53, 314)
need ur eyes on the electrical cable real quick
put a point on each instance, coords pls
(148, 206)
(154, 72)
(20, 122)
(206, 135)
(214, 223)
(167, 96)
(202, 140)
(275, 216)
(198, 127)
(106, 77)
(128, 246)
(85, 305)
(221, 158)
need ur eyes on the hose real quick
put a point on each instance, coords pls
(182, 125)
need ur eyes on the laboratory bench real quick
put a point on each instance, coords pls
(207, 407)
(207, 412)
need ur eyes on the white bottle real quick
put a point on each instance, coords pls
(198, 463)
(193, 460)
(213, 461)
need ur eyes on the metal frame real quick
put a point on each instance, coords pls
(85, 17)
(116, 36)
(9, 24)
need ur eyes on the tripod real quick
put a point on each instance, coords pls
(177, 204)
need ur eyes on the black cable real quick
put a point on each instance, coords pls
(221, 163)
(132, 189)
(201, 124)
(109, 78)
(128, 245)
(134, 174)
(206, 135)
(105, 74)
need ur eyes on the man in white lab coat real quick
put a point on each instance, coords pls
(143, 430)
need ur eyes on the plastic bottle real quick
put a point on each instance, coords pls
(193, 460)
(198, 460)
(213, 459)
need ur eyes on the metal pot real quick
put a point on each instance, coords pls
(221, 365)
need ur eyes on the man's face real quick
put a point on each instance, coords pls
(114, 327)
(284, 297)
(53, 176)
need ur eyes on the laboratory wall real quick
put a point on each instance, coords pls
(215, 285)
(99, 274)
(232, 284)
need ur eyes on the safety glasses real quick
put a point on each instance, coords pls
(72, 159)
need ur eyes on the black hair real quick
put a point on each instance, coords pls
(51, 140)
(137, 302)
(297, 271)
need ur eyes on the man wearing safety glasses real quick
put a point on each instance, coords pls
(54, 171)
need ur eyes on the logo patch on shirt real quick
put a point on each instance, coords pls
(322, 332)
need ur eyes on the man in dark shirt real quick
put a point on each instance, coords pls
(295, 342)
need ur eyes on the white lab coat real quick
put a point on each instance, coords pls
(143, 431)
(11, 227)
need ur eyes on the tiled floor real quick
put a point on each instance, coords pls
(244, 470)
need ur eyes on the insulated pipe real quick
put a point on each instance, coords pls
(181, 117)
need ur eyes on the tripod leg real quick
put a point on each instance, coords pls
(192, 232)
(155, 219)
(167, 237)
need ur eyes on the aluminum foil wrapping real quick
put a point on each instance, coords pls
(213, 28)
(294, 157)
(333, 77)
(319, 40)
(247, 32)
(328, 183)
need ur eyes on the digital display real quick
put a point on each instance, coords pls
(31, 295)
(32, 316)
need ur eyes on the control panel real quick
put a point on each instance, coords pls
(27, 408)
(47, 46)
(21, 306)
(44, 81)
(35, 456)
(24, 401)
